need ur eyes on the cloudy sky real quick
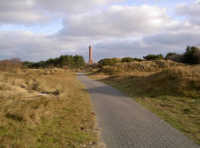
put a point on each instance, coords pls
(40, 29)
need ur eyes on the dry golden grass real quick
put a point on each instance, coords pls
(172, 92)
(139, 66)
(10, 65)
(44, 108)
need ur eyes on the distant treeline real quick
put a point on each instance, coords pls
(62, 61)
(190, 56)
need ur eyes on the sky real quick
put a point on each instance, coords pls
(36, 30)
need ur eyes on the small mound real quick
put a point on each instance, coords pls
(174, 81)
(140, 66)
(181, 80)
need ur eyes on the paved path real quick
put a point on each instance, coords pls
(126, 124)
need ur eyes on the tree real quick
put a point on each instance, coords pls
(64, 60)
(79, 61)
(192, 55)
(174, 57)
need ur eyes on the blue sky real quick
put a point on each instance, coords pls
(36, 30)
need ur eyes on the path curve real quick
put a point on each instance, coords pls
(126, 124)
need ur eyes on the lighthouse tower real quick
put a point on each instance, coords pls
(90, 55)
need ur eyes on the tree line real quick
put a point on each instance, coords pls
(190, 56)
(61, 62)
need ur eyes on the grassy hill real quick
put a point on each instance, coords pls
(138, 66)
(169, 89)
(45, 108)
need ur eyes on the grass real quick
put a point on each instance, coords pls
(44, 109)
(172, 94)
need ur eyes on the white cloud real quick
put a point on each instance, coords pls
(114, 29)
(74, 6)
(21, 12)
(173, 40)
(29, 46)
(191, 12)
(197, 1)
(155, 44)
(118, 21)
(29, 12)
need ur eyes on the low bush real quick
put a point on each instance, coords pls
(62, 61)
(174, 57)
(135, 66)
(170, 54)
(107, 61)
(153, 57)
(191, 55)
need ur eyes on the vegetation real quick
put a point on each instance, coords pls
(44, 108)
(62, 61)
(174, 57)
(153, 57)
(170, 54)
(129, 59)
(142, 66)
(167, 88)
(108, 61)
(50, 107)
(192, 55)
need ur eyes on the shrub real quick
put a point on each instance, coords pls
(78, 61)
(153, 57)
(27, 64)
(62, 61)
(170, 54)
(174, 57)
(127, 59)
(192, 55)
(107, 61)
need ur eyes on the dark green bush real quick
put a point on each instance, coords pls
(107, 61)
(64, 60)
(174, 57)
(78, 61)
(27, 64)
(170, 54)
(192, 55)
(153, 57)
